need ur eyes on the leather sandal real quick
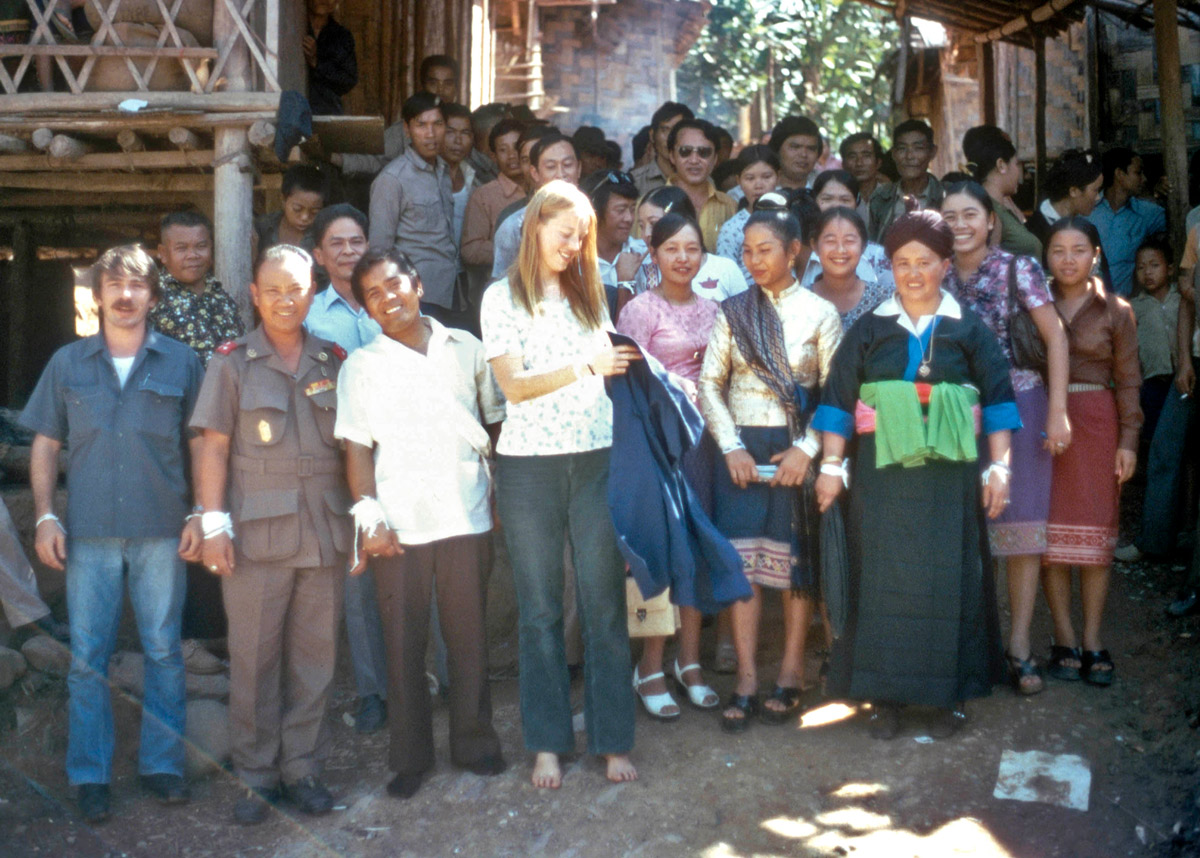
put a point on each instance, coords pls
(700, 696)
(1065, 672)
(655, 704)
(1089, 661)
(1022, 669)
(789, 697)
(748, 705)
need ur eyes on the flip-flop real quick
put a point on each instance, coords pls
(1059, 654)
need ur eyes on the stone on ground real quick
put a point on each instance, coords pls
(47, 655)
(12, 667)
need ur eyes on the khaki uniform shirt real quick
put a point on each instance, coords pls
(287, 487)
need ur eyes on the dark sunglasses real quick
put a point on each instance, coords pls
(702, 151)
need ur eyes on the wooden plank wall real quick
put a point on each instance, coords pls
(392, 37)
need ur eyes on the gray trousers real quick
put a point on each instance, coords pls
(365, 634)
(18, 586)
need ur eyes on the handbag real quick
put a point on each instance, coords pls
(1024, 339)
(650, 618)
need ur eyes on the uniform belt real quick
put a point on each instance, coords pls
(1082, 387)
(301, 466)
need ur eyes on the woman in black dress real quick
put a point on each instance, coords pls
(918, 380)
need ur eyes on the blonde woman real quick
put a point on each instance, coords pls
(545, 333)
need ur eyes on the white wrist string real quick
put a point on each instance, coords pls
(215, 523)
(369, 516)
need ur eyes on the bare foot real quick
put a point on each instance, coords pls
(547, 774)
(620, 768)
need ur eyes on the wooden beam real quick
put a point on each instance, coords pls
(109, 182)
(167, 52)
(20, 274)
(42, 137)
(129, 141)
(987, 82)
(233, 168)
(111, 161)
(261, 133)
(184, 138)
(1174, 132)
(78, 199)
(156, 121)
(95, 102)
(1039, 110)
(68, 148)
(13, 145)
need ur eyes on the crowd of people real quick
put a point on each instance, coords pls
(717, 390)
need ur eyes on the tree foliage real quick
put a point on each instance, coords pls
(822, 58)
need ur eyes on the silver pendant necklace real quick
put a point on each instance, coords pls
(927, 356)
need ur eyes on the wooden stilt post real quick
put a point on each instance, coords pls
(1039, 110)
(233, 172)
(20, 284)
(1174, 137)
(987, 82)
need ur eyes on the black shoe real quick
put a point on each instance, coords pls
(372, 714)
(93, 803)
(885, 721)
(1185, 605)
(168, 789)
(492, 764)
(404, 786)
(947, 722)
(251, 808)
(309, 796)
(47, 625)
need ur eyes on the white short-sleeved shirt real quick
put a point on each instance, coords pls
(414, 409)
(573, 419)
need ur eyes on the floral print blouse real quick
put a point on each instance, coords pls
(202, 321)
(986, 292)
(573, 419)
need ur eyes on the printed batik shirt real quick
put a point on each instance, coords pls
(201, 321)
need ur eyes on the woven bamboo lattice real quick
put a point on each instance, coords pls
(170, 47)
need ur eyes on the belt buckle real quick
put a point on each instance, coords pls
(304, 466)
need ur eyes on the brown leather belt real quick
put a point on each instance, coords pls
(301, 466)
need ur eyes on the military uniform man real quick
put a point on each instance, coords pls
(271, 482)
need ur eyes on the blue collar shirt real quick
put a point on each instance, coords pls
(332, 318)
(126, 468)
(1122, 233)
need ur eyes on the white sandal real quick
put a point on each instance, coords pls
(655, 703)
(700, 696)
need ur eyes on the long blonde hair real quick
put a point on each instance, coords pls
(580, 283)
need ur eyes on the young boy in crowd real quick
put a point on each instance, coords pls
(304, 190)
(1168, 413)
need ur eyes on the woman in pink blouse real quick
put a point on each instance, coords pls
(673, 323)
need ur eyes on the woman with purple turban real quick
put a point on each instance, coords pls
(917, 383)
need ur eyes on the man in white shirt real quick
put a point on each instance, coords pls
(614, 197)
(418, 410)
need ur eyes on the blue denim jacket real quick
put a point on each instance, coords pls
(662, 531)
(126, 469)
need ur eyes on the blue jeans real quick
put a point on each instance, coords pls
(540, 499)
(1164, 475)
(96, 572)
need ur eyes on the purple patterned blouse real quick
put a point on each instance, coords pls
(986, 292)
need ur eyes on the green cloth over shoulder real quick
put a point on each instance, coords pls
(903, 434)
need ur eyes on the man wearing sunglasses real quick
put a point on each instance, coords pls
(692, 145)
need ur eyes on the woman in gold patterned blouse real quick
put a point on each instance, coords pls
(770, 350)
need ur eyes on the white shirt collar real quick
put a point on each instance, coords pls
(949, 307)
(1048, 211)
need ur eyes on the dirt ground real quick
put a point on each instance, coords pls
(819, 786)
